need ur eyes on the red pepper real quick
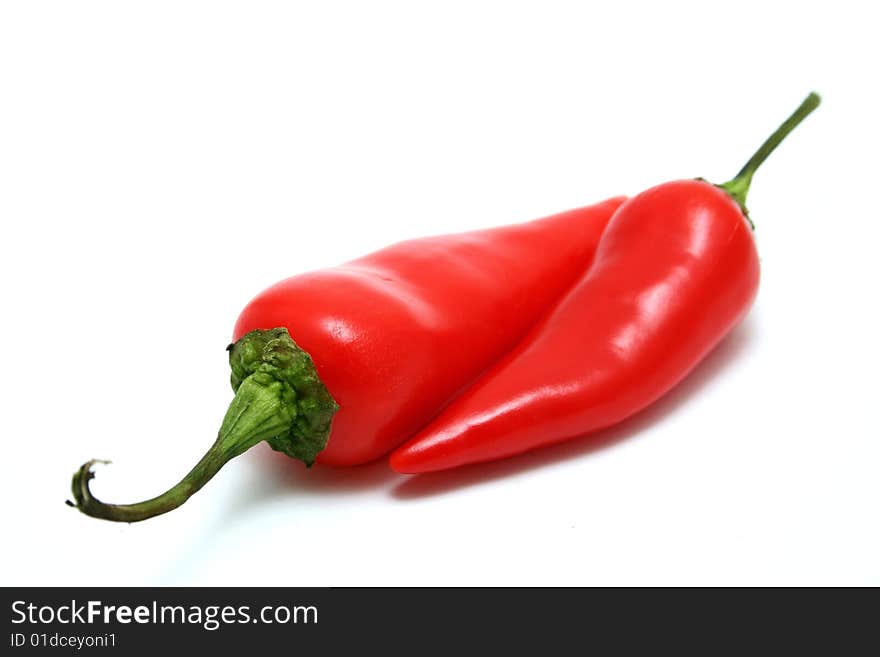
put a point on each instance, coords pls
(675, 270)
(386, 340)
(396, 334)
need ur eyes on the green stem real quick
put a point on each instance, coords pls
(206, 468)
(738, 188)
(278, 398)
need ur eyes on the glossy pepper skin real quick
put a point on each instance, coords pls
(396, 334)
(675, 271)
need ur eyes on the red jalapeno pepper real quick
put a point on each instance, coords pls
(675, 270)
(344, 364)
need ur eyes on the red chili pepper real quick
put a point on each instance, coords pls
(386, 340)
(675, 270)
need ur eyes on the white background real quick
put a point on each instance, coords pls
(162, 162)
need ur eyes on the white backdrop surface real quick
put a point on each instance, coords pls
(162, 162)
